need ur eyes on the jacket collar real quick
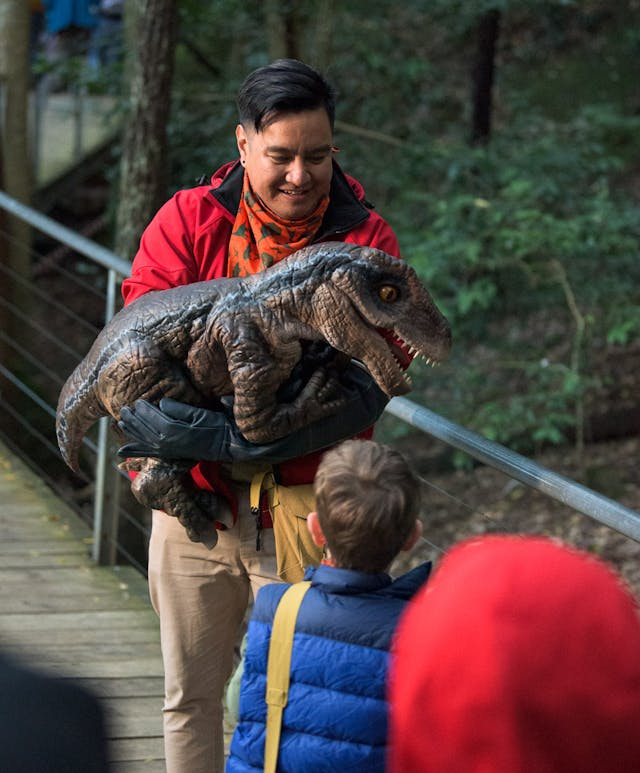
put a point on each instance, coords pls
(332, 579)
(345, 210)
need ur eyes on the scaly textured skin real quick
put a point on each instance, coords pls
(198, 342)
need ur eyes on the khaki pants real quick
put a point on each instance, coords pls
(201, 597)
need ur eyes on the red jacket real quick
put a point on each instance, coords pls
(187, 241)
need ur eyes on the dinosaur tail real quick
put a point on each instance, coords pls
(78, 408)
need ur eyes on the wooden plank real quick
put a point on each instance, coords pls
(46, 561)
(73, 620)
(67, 577)
(132, 686)
(124, 707)
(136, 726)
(66, 596)
(141, 766)
(38, 546)
(46, 544)
(125, 579)
(99, 652)
(28, 504)
(60, 637)
(129, 668)
(29, 521)
(89, 602)
(142, 749)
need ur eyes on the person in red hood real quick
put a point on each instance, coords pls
(522, 655)
(283, 192)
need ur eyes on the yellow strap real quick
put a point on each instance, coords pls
(279, 668)
(256, 489)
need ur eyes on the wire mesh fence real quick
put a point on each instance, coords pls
(49, 321)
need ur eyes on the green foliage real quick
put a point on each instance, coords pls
(534, 416)
(526, 245)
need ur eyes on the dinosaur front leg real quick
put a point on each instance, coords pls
(168, 486)
(262, 419)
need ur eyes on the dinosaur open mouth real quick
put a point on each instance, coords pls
(399, 349)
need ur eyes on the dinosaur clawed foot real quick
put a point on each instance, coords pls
(322, 396)
(168, 486)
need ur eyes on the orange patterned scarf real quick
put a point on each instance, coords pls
(260, 238)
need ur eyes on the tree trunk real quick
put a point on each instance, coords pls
(323, 28)
(143, 168)
(482, 76)
(15, 164)
(282, 29)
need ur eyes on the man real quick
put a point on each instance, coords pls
(286, 185)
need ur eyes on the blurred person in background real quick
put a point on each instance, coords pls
(522, 655)
(49, 724)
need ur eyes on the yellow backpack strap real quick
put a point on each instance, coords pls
(279, 668)
(259, 481)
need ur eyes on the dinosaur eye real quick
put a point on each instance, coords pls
(388, 293)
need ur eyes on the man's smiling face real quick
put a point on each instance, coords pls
(289, 162)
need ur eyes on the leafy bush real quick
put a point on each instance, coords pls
(532, 252)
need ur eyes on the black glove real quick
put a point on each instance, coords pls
(179, 431)
(175, 430)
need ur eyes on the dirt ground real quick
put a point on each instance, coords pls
(483, 500)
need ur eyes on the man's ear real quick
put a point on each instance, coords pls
(313, 524)
(415, 535)
(241, 139)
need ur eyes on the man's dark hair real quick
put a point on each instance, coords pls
(284, 86)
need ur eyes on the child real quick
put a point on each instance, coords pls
(367, 501)
(523, 656)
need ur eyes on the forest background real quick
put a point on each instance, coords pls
(501, 139)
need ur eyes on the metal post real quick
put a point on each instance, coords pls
(105, 531)
(39, 107)
(99, 541)
(78, 120)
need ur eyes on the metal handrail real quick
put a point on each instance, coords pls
(570, 493)
(61, 233)
(518, 467)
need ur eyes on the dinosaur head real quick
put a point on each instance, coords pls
(367, 302)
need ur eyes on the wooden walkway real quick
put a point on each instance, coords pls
(61, 613)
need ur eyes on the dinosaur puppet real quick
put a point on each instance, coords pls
(243, 336)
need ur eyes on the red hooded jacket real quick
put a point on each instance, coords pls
(521, 656)
(187, 241)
